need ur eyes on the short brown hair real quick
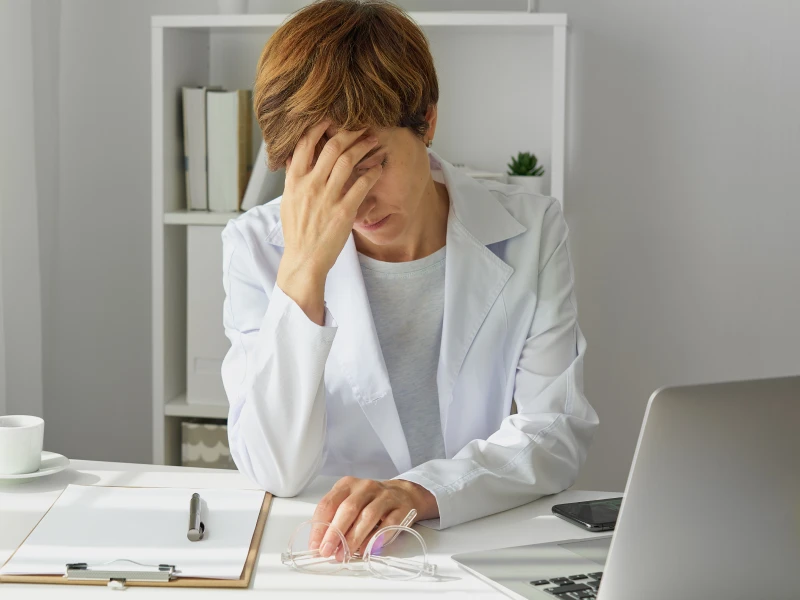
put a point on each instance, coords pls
(359, 63)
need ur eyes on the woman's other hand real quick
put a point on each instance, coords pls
(358, 507)
(316, 215)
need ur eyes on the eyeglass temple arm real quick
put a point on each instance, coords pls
(412, 566)
(412, 514)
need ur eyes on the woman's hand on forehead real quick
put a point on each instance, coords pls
(318, 210)
(332, 130)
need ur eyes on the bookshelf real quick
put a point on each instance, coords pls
(178, 407)
(197, 217)
(502, 79)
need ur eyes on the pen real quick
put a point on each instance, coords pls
(196, 527)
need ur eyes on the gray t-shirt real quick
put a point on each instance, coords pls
(407, 301)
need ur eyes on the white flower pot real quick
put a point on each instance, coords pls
(530, 183)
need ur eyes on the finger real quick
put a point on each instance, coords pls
(395, 517)
(344, 166)
(304, 151)
(325, 511)
(333, 149)
(371, 515)
(363, 547)
(358, 191)
(345, 516)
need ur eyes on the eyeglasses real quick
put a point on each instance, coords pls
(406, 559)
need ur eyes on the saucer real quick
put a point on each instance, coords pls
(51, 463)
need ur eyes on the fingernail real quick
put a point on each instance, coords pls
(327, 549)
(313, 545)
(372, 139)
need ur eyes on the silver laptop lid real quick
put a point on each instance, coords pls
(713, 496)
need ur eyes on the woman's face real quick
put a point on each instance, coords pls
(395, 202)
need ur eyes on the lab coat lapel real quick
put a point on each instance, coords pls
(474, 275)
(474, 278)
(357, 351)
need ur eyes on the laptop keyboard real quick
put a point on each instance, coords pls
(574, 587)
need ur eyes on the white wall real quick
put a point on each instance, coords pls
(97, 372)
(3, 403)
(21, 346)
(682, 198)
(680, 194)
(45, 33)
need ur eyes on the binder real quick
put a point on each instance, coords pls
(229, 134)
(122, 571)
(195, 154)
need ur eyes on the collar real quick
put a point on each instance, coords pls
(475, 206)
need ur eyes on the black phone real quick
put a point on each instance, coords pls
(593, 515)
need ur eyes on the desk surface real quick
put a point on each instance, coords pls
(22, 505)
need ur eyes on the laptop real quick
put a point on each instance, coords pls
(711, 508)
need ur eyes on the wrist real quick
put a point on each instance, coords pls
(299, 272)
(305, 287)
(424, 501)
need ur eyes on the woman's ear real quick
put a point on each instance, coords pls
(430, 117)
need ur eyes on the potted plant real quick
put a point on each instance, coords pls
(524, 170)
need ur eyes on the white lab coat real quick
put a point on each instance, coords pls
(308, 399)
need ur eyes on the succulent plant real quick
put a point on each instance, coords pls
(525, 164)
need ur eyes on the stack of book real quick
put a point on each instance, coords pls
(217, 147)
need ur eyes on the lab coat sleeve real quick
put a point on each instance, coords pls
(539, 450)
(273, 376)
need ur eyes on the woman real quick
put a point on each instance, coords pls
(386, 310)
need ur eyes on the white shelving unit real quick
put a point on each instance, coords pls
(502, 82)
(178, 407)
(197, 217)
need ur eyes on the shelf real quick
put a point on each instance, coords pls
(180, 408)
(199, 217)
(236, 23)
(224, 49)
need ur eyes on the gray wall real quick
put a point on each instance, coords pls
(46, 37)
(20, 311)
(97, 375)
(682, 198)
(683, 141)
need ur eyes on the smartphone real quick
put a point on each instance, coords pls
(593, 515)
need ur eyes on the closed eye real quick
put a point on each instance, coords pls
(366, 164)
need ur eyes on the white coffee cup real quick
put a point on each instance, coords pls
(21, 438)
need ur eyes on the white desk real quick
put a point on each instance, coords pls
(21, 507)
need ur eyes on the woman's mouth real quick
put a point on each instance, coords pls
(375, 225)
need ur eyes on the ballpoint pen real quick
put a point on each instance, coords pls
(197, 528)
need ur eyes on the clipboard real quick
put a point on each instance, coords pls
(142, 580)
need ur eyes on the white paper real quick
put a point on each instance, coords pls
(254, 193)
(95, 525)
(264, 185)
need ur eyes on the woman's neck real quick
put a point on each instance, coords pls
(426, 235)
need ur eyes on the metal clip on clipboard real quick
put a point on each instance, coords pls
(85, 572)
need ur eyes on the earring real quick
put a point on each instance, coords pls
(429, 143)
